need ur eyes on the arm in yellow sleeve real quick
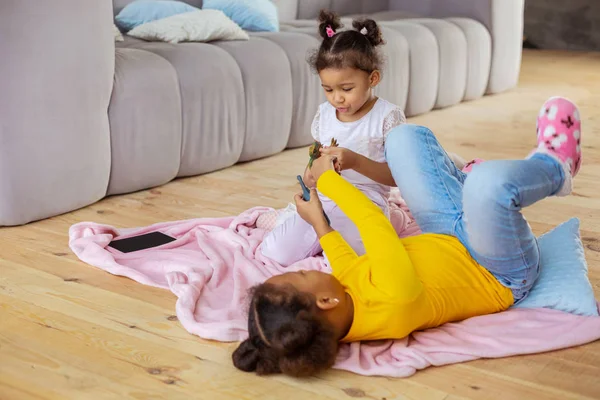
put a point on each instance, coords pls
(339, 253)
(391, 268)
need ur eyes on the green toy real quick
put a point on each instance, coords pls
(314, 151)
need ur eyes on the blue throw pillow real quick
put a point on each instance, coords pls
(250, 15)
(141, 11)
(563, 283)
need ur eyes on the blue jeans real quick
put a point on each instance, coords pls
(481, 209)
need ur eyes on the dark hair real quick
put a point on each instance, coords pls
(348, 48)
(285, 334)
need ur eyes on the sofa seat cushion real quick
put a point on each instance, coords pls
(451, 46)
(267, 95)
(307, 92)
(145, 122)
(236, 100)
(212, 109)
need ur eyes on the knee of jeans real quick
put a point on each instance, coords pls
(401, 138)
(486, 184)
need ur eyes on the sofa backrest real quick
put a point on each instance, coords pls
(287, 9)
(302, 9)
(309, 9)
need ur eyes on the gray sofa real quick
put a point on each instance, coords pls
(83, 116)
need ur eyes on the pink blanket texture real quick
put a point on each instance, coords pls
(214, 262)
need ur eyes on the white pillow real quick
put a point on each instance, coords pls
(117, 34)
(194, 26)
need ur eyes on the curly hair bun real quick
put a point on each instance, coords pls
(328, 18)
(373, 32)
(246, 356)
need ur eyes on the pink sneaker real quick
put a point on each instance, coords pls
(559, 132)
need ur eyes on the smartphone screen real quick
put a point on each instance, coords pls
(142, 242)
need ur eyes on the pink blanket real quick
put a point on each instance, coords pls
(214, 261)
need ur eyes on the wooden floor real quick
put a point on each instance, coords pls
(70, 331)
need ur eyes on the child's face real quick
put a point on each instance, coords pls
(321, 285)
(308, 281)
(348, 89)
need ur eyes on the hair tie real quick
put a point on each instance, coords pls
(364, 30)
(330, 31)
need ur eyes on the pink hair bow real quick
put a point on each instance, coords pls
(330, 31)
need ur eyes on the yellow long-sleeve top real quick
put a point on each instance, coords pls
(403, 285)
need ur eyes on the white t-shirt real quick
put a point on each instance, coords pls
(365, 136)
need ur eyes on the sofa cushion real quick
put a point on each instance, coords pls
(267, 95)
(196, 26)
(129, 41)
(479, 56)
(396, 68)
(563, 283)
(307, 92)
(452, 46)
(392, 15)
(287, 10)
(143, 11)
(251, 15)
(309, 9)
(118, 5)
(117, 34)
(424, 66)
(212, 108)
(145, 122)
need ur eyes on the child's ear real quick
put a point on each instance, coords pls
(326, 302)
(375, 78)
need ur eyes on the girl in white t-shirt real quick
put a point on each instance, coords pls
(348, 63)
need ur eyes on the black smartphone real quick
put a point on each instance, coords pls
(142, 242)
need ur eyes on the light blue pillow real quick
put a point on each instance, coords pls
(141, 11)
(250, 15)
(563, 283)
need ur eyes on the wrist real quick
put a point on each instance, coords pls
(322, 228)
(359, 162)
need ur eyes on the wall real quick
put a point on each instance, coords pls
(563, 24)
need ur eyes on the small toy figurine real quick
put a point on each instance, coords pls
(314, 151)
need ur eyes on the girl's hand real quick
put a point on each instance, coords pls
(321, 165)
(346, 159)
(311, 211)
(308, 179)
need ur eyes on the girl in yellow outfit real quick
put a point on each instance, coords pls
(477, 254)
